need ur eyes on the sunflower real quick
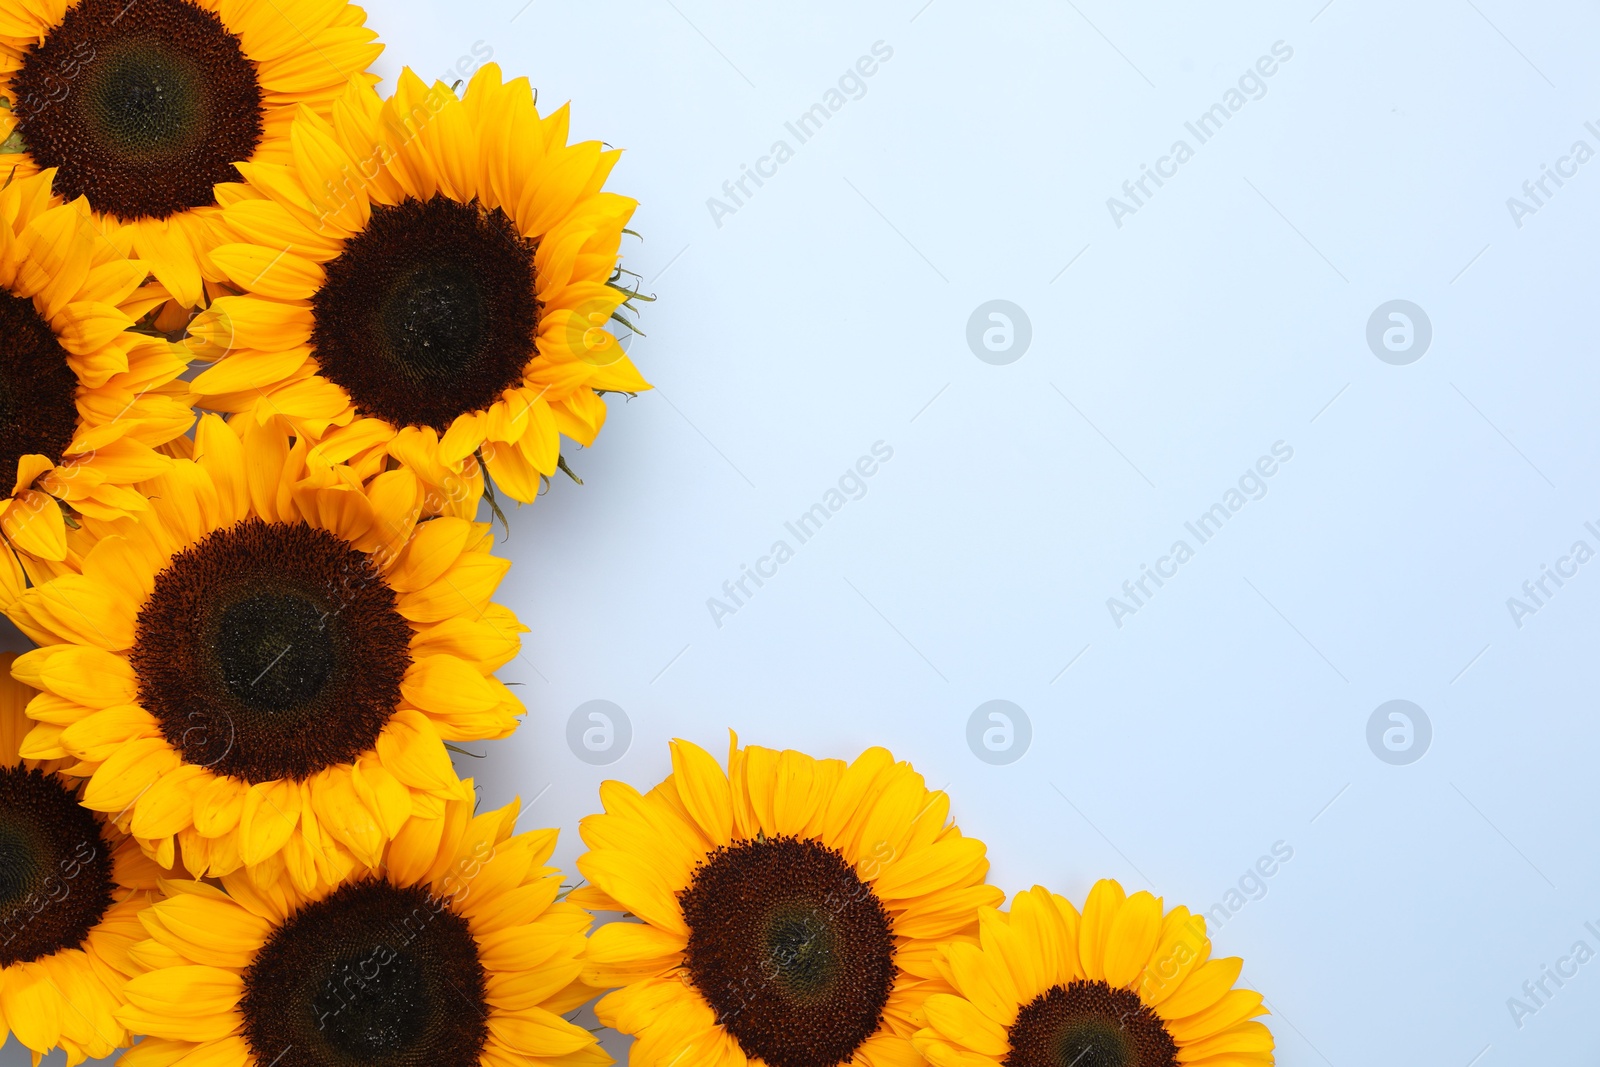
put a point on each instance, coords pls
(70, 899)
(145, 114)
(1120, 985)
(263, 669)
(790, 908)
(84, 401)
(426, 283)
(453, 953)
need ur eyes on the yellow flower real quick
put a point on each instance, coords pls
(455, 953)
(791, 908)
(427, 282)
(264, 668)
(145, 115)
(84, 401)
(69, 903)
(1120, 984)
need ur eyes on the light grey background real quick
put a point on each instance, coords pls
(830, 312)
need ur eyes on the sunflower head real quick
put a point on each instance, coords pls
(1121, 984)
(453, 952)
(264, 669)
(85, 402)
(144, 112)
(71, 890)
(791, 907)
(427, 282)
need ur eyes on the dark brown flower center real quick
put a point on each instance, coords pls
(791, 949)
(143, 105)
(428, 313)
(1089, 1024)
(55, 868)
(270, 650)
(38, 390)
(370, 976)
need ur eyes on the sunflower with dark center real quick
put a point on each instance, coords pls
(455, 953)
(1122, 984)
(791, 907)
(85, 402)
(153, 109)
(71, 891)
(429, 283)
(264, 669)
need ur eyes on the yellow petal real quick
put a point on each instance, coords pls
(244, 322)
(625, 880)
(1132, 939)
(271, 810)
(1099, 912)
(87, 327)
(95, 737)
(465, 588)
(34, 523)
(220, 454)
(191, 1002)
(432, 549)
(209, 931)
(43, 742)
(411, 750)
(132, 769)
(29, 468)
(162, 244)
(267, 222)
(230, 1051)
(88, 676)
(620, 943)
(536, 1032)
(949, 862)
(218, 805)
(1236, 1006)
(1204, 986)
(1183, 947)
(984, 981)
(382, 793)
(704, 790)
(959, 1021)
(32, 1007)
(167, 807)
(1242, 1040)
(272, 272)
(54, 258)
(512, 472)
(448, 687)
(156, 1051)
